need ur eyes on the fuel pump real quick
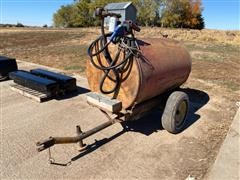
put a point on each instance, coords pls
(123, 37)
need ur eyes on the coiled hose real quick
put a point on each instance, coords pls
(127, 45)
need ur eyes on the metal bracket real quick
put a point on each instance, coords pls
(81, 144)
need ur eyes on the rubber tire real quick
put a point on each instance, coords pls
(168, 118)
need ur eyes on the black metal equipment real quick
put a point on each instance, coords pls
(34, 82)
(66, 83)
(7, 65)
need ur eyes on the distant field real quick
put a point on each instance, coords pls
(215, 70)
(215, 53)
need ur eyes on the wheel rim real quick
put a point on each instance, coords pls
(181, 113)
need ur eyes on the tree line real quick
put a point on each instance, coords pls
(163, 13)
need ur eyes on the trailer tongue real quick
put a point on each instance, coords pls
(42, 145)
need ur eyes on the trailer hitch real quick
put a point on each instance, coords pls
(45, 144)
(51, 141)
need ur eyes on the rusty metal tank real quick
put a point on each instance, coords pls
(165, 64)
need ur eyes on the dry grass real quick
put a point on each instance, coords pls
(228, 37)
(215, 69)
(216, 53)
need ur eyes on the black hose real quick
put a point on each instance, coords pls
(112, 62)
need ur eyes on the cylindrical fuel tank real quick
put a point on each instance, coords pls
(163, 65)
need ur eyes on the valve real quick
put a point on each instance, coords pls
(134, 26)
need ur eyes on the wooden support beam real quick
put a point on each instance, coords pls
(104, 102)
(30, 93)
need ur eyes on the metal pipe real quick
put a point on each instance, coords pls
(96, 129)
(66, 140)
(42, 145)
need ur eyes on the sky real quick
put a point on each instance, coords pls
(218, 14)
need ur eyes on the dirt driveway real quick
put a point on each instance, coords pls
(140, 150)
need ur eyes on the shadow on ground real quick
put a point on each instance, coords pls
(79, 91)
(150, 123)
(197, 100)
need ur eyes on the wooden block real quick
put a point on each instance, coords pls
(104, 102)
(30, 93)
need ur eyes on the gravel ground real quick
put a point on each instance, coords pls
(145, 151)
